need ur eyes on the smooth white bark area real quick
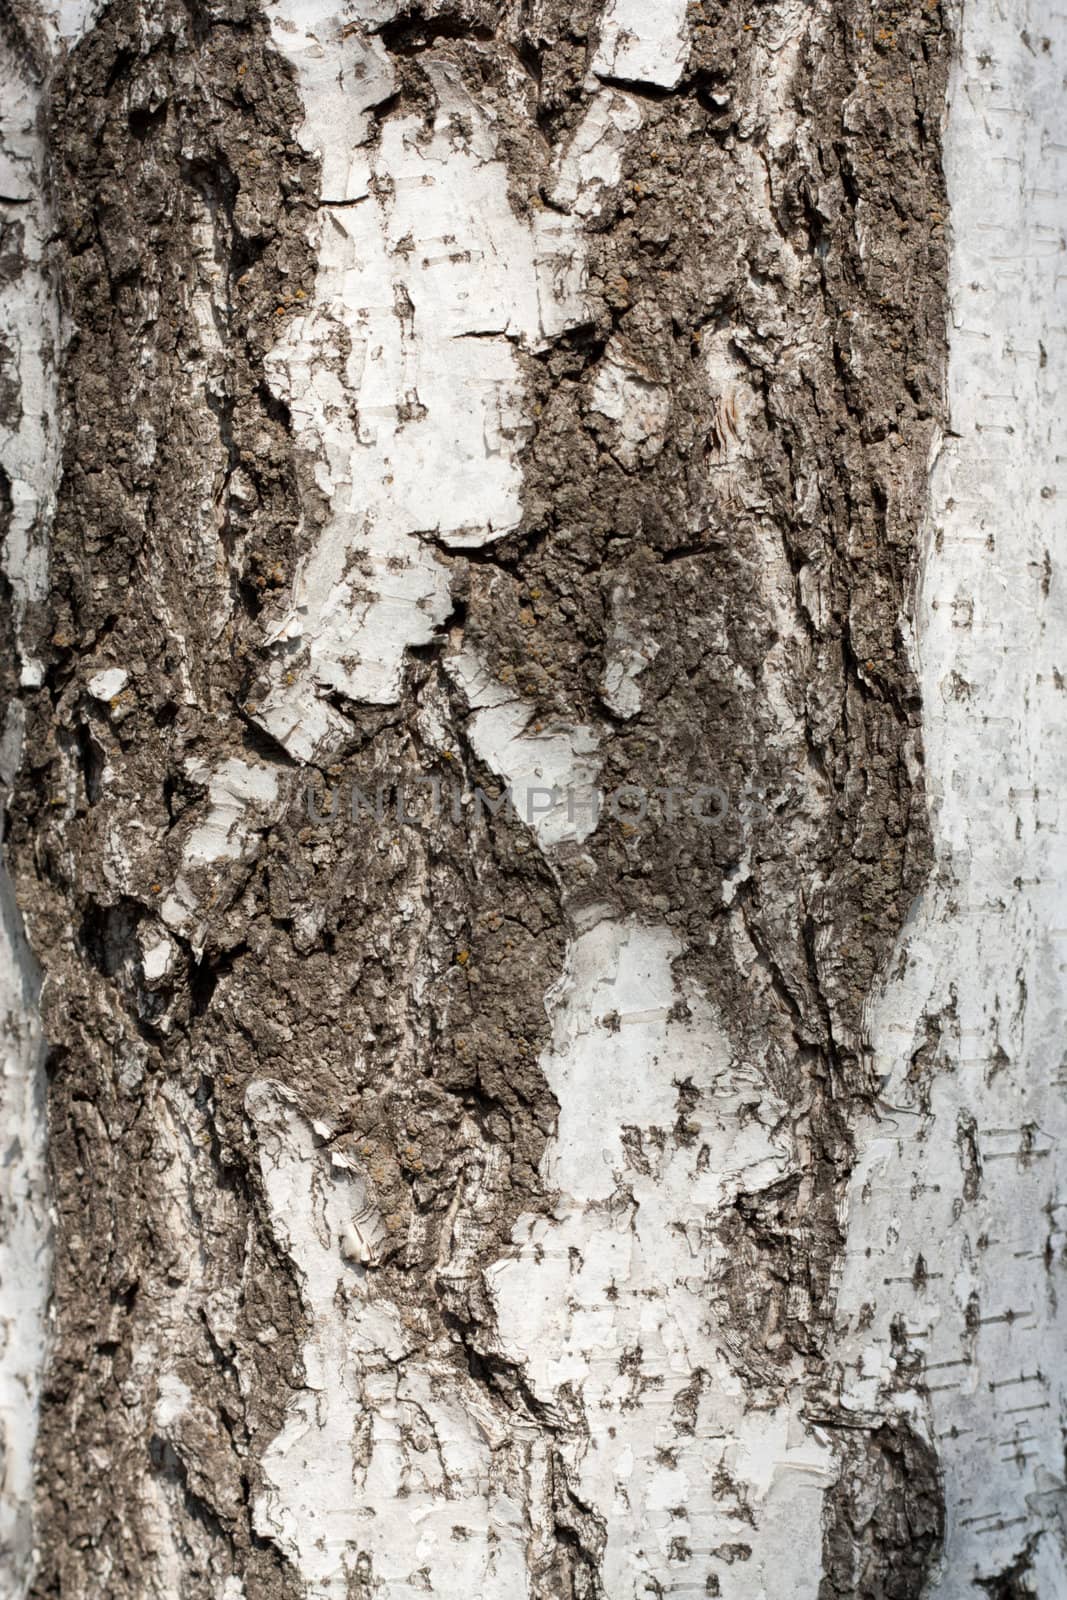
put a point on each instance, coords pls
(29, 455)
(402, 377)
(609, 1298)
(644, 41)
(958, 1207)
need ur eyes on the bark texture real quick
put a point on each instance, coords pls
(453, 1200)
(955, 1260)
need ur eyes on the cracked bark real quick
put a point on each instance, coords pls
(518, 396)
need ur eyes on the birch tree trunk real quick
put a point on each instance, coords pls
(533, 777)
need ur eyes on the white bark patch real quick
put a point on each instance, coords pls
(550, 769)
(634, 404)
(230, 788)
(659, 1129)
(107, 684)
(628, 654)
(159, 955)
(393, 1465)
(592, 161)
(644, 41)
(402, 378)
(236, 789)
(29, 326)
(957, 1214)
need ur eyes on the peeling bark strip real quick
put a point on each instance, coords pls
(536, 395)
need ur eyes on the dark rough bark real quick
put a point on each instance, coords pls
(153, 136)
(887, 1517)
(772, 576)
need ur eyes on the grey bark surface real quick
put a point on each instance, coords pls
(768, 272)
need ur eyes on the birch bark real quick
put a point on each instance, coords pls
(651, 1185)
